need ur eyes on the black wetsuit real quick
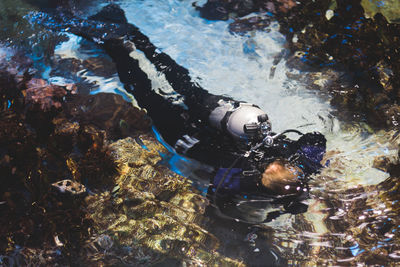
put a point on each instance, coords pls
(110, 30)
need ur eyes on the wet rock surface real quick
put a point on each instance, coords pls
(53, 141)
(109, 112)
(153, 212)
(40, 226)
(224, 9)
(365, 48)
(70, 196)
(365, 220)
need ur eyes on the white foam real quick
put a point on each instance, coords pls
(72, 49)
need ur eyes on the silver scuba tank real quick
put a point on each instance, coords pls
(240, 120)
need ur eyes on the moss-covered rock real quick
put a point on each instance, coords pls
(356, 37)
(388, 8)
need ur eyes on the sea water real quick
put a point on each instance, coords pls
(240, 66)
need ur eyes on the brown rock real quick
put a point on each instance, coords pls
(109, 112)
(383, 163)
(45, 95)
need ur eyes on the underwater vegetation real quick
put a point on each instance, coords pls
(39, 148)
(82, 182)
(153, 212)
(71, 194)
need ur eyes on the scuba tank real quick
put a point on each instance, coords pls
(242, 121)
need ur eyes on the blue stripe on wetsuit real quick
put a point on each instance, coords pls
(231, 178)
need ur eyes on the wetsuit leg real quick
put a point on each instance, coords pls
(169, 118)
(173, 121)
(110, 25)
(119, 39)
(196, 98)
(199, 101)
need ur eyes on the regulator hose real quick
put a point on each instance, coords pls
(247, 154)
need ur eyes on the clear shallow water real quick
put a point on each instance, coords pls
(239, 66)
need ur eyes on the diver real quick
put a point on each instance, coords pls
(234, 137)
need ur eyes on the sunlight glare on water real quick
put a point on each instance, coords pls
(223, 64)
(239, 66)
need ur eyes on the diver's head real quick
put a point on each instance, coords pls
(243, 121)
(248, 122)
(283, 178)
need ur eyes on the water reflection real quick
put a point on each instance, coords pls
(345, 211)
(353, 209)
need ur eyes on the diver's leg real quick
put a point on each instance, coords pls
(109, 25)
(170, 119)
(199, 100)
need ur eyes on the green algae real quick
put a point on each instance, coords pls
(388, 8)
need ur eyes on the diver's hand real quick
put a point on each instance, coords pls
(185, 143)
(312, 139)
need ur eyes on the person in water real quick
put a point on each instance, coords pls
(234, 137)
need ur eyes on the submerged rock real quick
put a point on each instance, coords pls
(257, 22)
(224, 9)
(55, 150)
(214, 10)
(388, 8)
(33, 159)
(359, 38)
(70, 186)
(338, 36)
(153, 213)
(367, 220)
(109, 112)
(40, 92)
(43, 146)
